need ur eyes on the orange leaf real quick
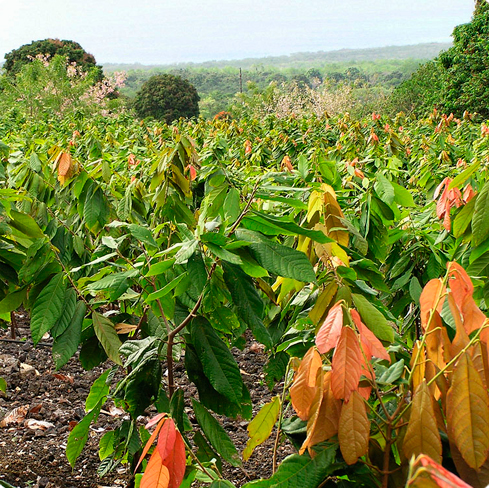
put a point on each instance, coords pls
(418, 365)
(325, 416)
(156, 474)
(437, 341)
(329, 333)
(368, 338)
(166, 439)
(473, 317)
(175, 462)
(461, 338)
(468, 413)
(148, 445)
(427, 474)
(422, 436)
(332, 217)
(476, 478)
(460, 283)
(478, 353)
(347, 365)
(431, 297)
(303, 390)
(353, 429)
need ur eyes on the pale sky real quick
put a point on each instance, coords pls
(164, 31)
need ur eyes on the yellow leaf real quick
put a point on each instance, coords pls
(468, 413)
(422, 436)
(303, 390)
(323, 301)
(314, 207)
(418, 364)
(353, 429)
(260, 428)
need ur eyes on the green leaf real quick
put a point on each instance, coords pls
(415, 289)
(3, 385)
(64, 321)
(165, 290)
(107, 335)
(300, 471)
(160, 268)
(402, 196)
(393, 373)
(65, 345)
(48, 307)
(25, 223)
(281, 226)
(373, 318)
(142, 234)
(224, 254)
(96, 210)
(79, 435)
(275, 368)
(106, 445)
(221, 484)
(464, 175)
(464, 218)
(98, 392)
(13, 301)
(248, 303)
(231, 205)
(218, 363)
(215, 434)
(480, 220)
(384, 189)
(224, 320)
(283, 261)
(35, 163)
(260, 428)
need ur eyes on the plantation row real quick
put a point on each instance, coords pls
(355, 251)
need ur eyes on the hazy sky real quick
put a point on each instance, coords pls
(164, 31)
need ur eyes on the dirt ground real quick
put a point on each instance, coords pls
(32, 454)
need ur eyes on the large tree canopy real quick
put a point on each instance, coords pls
(167, 97)
(17, 58)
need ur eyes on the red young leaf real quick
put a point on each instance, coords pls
(329, 333)
(175, 462)
(155, 420)
(156, 474)
(166, 439)
(425, 470)
(368, 338)
(347, 365)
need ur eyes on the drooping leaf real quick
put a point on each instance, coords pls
(107, 335)
(98, 391)
(69, 304)
(65, 345)
(96, 210)
(217, 361)
(303, 390)
(330, 331)
(156, 474)
(347, 365)
(162, 419)
(431, 300)
(480, 220)
(422, 436)
(369, 341)
(384, 189)
(300, 471)
(176, 461)
(215, 434)
(373, 318)
(249, 305)
(48, 307)
(166, 438)
(353, 429)
(260, 428)
(468, 413)
(79, 435)
(26, 224)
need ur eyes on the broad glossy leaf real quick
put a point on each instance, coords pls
(303, 390)
(65, 345)
(96, 210)
(373, 318)
(217, 361)
(79, 435)
(330, 331)
(48, 307)
(384, 189)
(260, 428)
(283, 261)
(346, 365)
(98, 391)
(353, 429)
(422, 436)
(248, 303)
(468, 413)
(156, 474)
(216, 435)
(107, 335)
(480, 220)
(69, 304)
(300, 471)
(464, 218)
(13, 301)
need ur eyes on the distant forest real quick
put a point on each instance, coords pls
(217, 82)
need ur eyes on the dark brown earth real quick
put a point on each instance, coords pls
(32, 457)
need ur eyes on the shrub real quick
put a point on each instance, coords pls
(167, 97)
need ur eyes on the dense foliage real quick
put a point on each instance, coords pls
(167, 97)
(71, 50)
